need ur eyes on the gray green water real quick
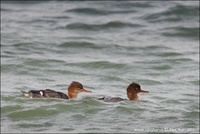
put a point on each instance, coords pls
(105, 46)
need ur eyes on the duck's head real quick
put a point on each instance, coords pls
(133, 89)
(75, 88)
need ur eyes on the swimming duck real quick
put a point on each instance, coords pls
(73, 89)
(132, 90)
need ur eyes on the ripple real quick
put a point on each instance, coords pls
(156, 47)
(162, 67)
(169, 54)
(78, 117)
(173, 14)
(106, 26)
(195, 82)
(6, 10)
(32, 113)
(149, 81)
(67, 129)
(192, 114)
(96, 12)
(112, 78)
(123, 110)
(191, 95)
(34, 125)
(180, 60)
(60, 17)
(38, 21)
(89, 11)
(36, 63)
(181, 10)
(183, 32)
(8, 109)
(102, 65)
(82, 45)
(93, 111)
(64, 72)
(9, 68)
(131, 4)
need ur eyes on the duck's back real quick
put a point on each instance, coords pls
(53, 94)
(47, 93)
(111, 99)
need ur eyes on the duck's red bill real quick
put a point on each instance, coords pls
(84, 90)
(144, 91)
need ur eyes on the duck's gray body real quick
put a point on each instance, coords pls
(44, 94)
(111, 99)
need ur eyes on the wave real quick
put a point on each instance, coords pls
(183, 32)
(90, 11)
(93, 11)
(101, 65)
(76, 44)
(108, 25)
(173, 14)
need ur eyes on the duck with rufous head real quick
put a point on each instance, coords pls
(132, 90)
(73, 90)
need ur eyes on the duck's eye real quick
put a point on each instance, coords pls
(137, 89)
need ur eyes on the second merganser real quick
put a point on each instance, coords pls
(73, 90)
(132, 90)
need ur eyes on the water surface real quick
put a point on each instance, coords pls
(105, 46)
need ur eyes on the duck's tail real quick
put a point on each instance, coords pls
(102, 98)
(25, 93)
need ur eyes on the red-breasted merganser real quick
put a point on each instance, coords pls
(132, 90)
(73, 90)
